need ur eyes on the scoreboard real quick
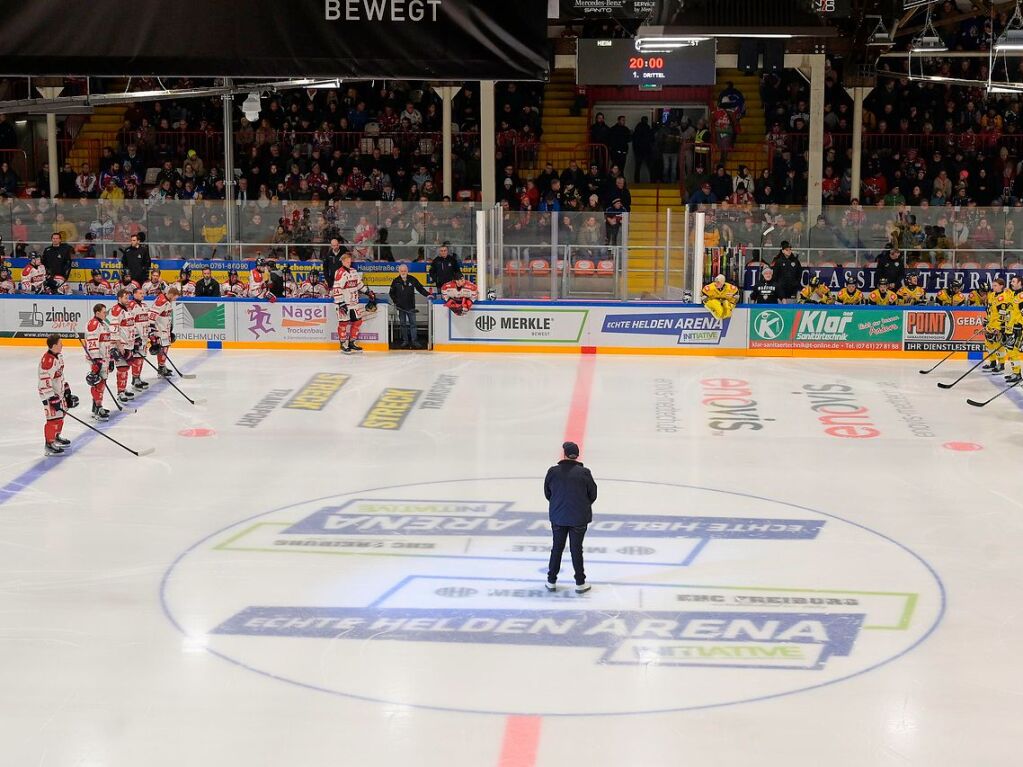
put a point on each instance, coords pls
(617, 62)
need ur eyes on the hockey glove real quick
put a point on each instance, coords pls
(70, 400)
(173, 337)
(110, 366)
(54, 402)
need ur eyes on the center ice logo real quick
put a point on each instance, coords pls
(440, 584)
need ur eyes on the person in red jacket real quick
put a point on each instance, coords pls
(460, 294)
(55, 394)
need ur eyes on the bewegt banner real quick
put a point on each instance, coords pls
(406, 39)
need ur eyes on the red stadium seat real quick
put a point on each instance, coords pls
(970, 265)
(514, 267)
(606, 268)
(539, 266)
(584, 268)
(993, 265)
(922, 265)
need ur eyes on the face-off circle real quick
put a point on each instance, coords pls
(429, 595)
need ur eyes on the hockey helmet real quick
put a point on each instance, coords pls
(912, 276)
(815, 281)
(314, 275)
(955, 285)
(97, 273)
(850, 280)
(983, 287)
(883, 282)
(34, 255)
(125, 275)
(5, 273)
(186, 271)
(232, 272)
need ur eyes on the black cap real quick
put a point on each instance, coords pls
(571, 450)
(785, 244)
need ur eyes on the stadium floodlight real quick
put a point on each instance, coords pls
(1009, 40)
(251, 107)
(880, 35)
(928, 41)
(1012, 38)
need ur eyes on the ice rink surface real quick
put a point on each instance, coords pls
(339, 560)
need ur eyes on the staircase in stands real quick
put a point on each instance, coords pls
(562, 134)
(99, 131)
(749, 147)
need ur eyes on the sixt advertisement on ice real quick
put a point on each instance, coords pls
(826, 328)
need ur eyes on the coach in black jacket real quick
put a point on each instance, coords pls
(57, 257)
(570, 488)
(135, 258)
(765, 291)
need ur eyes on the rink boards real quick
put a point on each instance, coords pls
(793, 330)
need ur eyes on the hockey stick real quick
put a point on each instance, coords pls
(983, 360)
(142, 452)
(193, 401)
(186, 376)
(948, 356)
(989, 401)
(106, 383)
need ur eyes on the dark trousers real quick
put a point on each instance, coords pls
(409, 331)
(575, 537)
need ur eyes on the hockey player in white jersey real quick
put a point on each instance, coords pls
(122, 341)
(142, 322)
(347, 287)
(33, 276)
(97, 351)
(162, 333)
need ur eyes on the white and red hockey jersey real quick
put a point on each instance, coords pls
(51, 376)
(6, 286)
(97, 340)
(236, 289)
(122, 329)
(162, 316)
(130, 286)
(60, 287)
(347, 287)
(312, 290)
(186, 289)
(463, 297)
(32, 278)
(141, 320)
(259, 284)
(152, 289)
(101, 288)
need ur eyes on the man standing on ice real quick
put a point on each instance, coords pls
(570, 488)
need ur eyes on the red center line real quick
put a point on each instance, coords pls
(522, 733)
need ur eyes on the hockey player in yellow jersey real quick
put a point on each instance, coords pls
(998, 304)
(883, 296)
(952, 295)
(850, 295)
(815, 293)
(720, 297)
(979, 296)
(1014, 332)
(911, 294)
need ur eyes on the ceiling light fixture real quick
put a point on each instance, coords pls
(928, 41)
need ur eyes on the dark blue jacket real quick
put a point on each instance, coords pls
(570, 488)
